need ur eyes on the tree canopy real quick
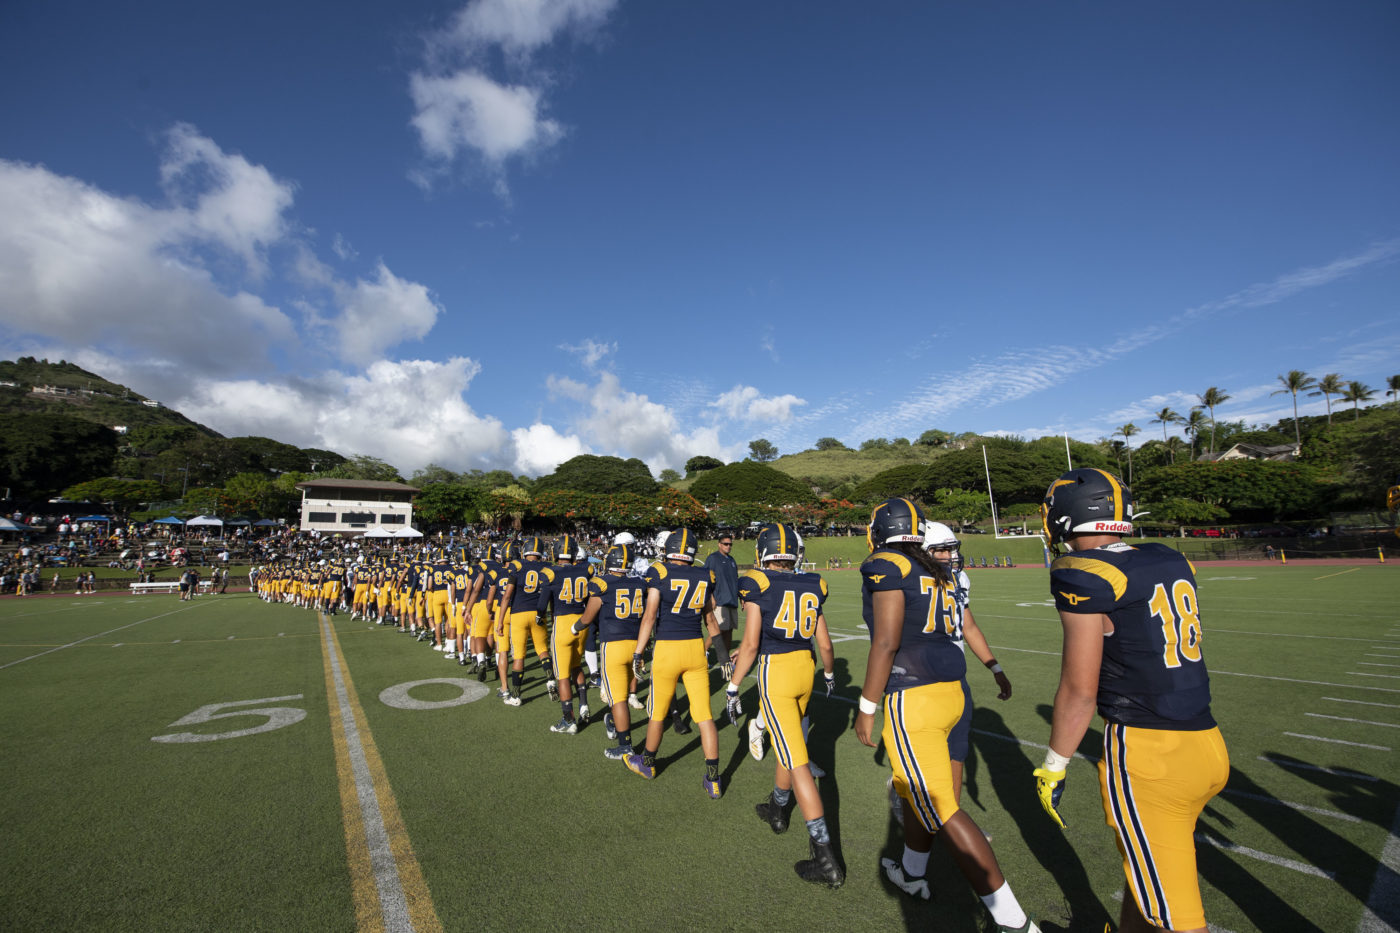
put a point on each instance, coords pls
(750, 482)
(762, 450)
(44, 452)
(700, 463)
(592, 473)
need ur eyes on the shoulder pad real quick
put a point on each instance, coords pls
(900, 562)
(758, 577)
(1105, 571)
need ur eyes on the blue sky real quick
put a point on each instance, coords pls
(505, 232)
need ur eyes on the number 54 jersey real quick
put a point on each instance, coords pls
(1154, 672)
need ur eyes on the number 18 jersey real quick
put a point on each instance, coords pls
(1153, 673)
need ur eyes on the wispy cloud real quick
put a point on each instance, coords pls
(591, 352)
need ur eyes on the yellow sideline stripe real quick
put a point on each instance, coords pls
(369, 916)
(1337, 574)
(362, 893)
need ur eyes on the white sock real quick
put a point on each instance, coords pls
(591, 659)
(915, 863)
(762, 723)
(1006, 910)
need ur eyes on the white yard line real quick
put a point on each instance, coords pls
(1302, 766)
(1301, 867)
(98, 635)
(1320, 811)
(1376, 663)
(1364, 722)
(1383, 903)
(1363, 702)
(1318, 738)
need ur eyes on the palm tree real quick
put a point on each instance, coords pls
(1392, 387)
(1356, 393)
(1195, 423)
(1296, 381)
(1328, 386)
(1174, 446)
(1165, 417)
(1116, 448)
(1127, 431)
(1209, 399)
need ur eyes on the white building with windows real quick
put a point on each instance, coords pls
(354, 506)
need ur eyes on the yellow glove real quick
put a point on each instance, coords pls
(1049, 785)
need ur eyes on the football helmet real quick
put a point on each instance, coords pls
(1086, 501)
(624, 537)
(777, 541)
(894, 521)
(531, 545)
(509, 551)
(565, 548)
(618, 559)
(680, 545)
(939, 537)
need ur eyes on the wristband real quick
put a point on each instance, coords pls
(1054, 761)
(731, 690)
(868, 707)
(990, 662)
(994, 667)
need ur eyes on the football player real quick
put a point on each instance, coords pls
(519, 616)
(616, 600)
(680, 609)
(564, 593)
(783, 619)
(1132, 647)
(915, 665)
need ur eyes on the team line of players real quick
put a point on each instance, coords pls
(1132, 650)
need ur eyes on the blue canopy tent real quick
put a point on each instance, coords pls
(93, 518)
(168, 520)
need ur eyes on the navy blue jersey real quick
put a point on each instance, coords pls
(438, 575)
(1153, 673)
(791, 602)
(528, 577)
(685, 590)
(928, 648)
(565, 589)
(624, 600)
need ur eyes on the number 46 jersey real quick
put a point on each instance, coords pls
(1153, 673)
(791, 603)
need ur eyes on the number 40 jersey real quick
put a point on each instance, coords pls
(1153, 673)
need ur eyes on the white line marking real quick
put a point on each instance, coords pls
(1011, 738)
(91, 637)
(1318, 738)
(1320, 811)
(1302, 867)
(1384, 647)
(1364, 722)
(175, 642)
(1338, 772)
(1319, 683)
(1364, 674)
(1368, 655)
(392, 903)
(1210, 927)
(1363, 702)
(230, 638)
(1376, 663)
(1384, 900)
(118, 644)
(1232, 631)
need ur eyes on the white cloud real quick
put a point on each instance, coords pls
(519, 27)
(409, 413)
(539, 449)
(85, 267)
(590, 352)
(746, 403)
(380, 314)
(233, 203)
(467, 110)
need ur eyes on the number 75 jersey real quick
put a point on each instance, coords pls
(1154, 672)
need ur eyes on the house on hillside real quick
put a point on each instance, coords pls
(1281, 452)
(354, 506)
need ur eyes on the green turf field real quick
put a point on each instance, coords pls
(495, 823)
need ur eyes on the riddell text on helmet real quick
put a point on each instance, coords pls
(1113, 528)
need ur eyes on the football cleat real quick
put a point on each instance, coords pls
(637, 764)
(462, 659)
(914, 887)
(821, 868)
(773, 813)
(755, 740)
(817, 770)
(553, 687)
(511, 700)
(618, 753)
(609, 727)
(679, 724)
(896, 803)
(583, 712)
(635, 703)
(566, 726)
(711, 788)
(1026, 927)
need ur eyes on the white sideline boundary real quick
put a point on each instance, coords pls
(1383, 902)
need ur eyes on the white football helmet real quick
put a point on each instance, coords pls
(940, 540)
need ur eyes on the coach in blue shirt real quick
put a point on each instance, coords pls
(726, 573)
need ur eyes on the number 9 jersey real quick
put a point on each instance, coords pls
(1153, 673)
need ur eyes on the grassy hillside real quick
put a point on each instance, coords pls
(97, 400)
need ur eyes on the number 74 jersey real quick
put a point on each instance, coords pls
(1154, 672)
